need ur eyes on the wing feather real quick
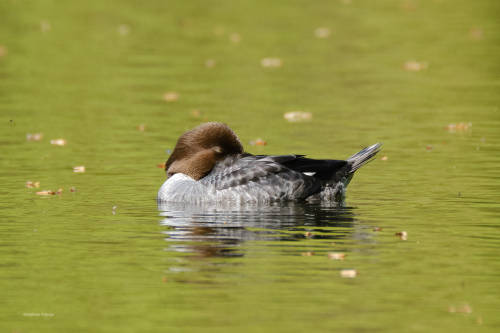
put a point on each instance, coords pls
(263, 174)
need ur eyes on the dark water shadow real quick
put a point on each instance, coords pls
(219, 230)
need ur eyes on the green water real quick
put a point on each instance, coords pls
(103, 259)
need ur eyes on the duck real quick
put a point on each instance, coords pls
(209, 165)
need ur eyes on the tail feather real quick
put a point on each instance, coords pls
(359, 159)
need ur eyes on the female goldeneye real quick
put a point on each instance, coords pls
(209, 164)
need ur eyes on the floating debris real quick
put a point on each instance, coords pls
(307, 254)
(59, 191)
(196, 113)
(428, 147)
(164, 279)
(45, 192)
(258, 142)
(462, 308)
(45, 26)
(384, 158)
(141, 127)
(235, 37)
(459, 127)
(308, 234)
(476, 33)
(271, 62)
(58, 142)
(408, 5)
(348, 273)
(113, 210)
(296, 116)
(403, 235)
(415, 66)
(161, 165)
(219, 31)
(79, 169)
(34, 136)
(170, 96)
(3, 51)
(210, 63)
(322, 32)
(336, 256)
(377, 229)
(30, 184)
(123, 29)
(72, 189)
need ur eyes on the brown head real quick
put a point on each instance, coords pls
(197, 150)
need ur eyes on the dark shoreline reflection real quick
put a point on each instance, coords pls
(217, 230)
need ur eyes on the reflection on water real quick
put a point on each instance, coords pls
(218, 230)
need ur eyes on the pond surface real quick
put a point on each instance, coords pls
(119, 81)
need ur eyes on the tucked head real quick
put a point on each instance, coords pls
(197, 150)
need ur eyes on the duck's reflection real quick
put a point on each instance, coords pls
(219, 230)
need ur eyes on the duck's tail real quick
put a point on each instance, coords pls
(366, 155)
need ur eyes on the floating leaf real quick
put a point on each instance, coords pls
(46, 192)
(3, 51)
(459, 127)
(322, 32)
(235, 37)
(409, 5)
(336, 256)
(79, 169)
(170, 96)
(296, 116)
(271, 62)
(196, 113)
(45, 26)
(348, 273)
(258, 142)
(415, 66)
(123, 29)
(30, 184)
(462, 308)
(58, 142)
(476, 33)
(403, 235)
(34, 136)
(210, 63)
(219, 31)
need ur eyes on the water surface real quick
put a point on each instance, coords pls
(105, 259)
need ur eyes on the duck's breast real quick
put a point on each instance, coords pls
(180, 187)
